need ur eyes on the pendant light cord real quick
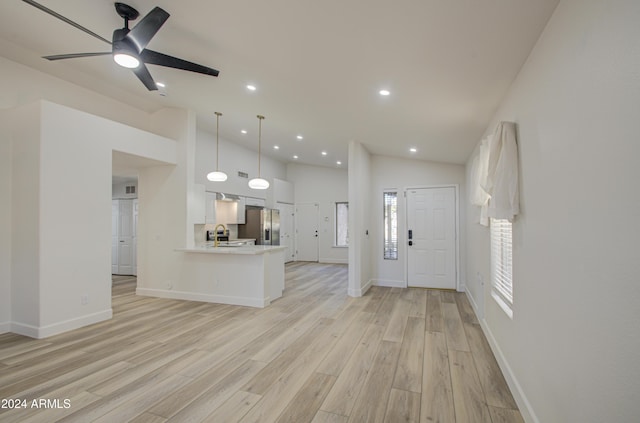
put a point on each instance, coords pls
(218, 114)
(260, 117)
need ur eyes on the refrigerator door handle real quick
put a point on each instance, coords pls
(266, 234)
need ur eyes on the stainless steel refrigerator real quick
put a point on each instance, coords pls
(261, 224)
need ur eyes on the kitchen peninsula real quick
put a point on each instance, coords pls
(249, 275)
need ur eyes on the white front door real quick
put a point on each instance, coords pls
(286, 230)
(431, 235)
(306, 232)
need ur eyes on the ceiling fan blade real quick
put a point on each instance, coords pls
(65, 19)
(144, 31)
(155, 58)
(74, 55)
(143, 75)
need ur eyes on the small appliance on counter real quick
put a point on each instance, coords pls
(262, 224)
(222, 235)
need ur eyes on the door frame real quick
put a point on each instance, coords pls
(456, 189)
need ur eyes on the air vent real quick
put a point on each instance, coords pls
(130, 189)
(243, 175)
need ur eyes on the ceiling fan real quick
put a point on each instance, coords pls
(128, 46)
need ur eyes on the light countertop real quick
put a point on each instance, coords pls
(241, 250)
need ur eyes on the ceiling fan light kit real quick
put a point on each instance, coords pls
(217, 175)
(259, 182)
(128, 46)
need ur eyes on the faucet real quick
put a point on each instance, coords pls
(215, 234)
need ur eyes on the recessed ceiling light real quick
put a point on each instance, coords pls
(244, 131)
(413, 149)
(160, 84)
(251, 87)
(276, 147)
(295, 157)
(299, 137)
(384, 92)
(324, 153)
(338, 162)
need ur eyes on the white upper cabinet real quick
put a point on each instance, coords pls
(210, 208)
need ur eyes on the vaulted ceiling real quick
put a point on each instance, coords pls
(317, 66)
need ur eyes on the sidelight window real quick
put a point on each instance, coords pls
(342, 224)
(390, 203)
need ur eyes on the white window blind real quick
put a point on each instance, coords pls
(390, 202)
(502, 263)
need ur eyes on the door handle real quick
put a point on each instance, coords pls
(410, 234)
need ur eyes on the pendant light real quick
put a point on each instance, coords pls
(217, 176)
(259, 183)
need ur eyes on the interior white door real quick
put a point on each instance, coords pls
(134, 242)
(115, 213)
(431, 237)
(306, 223)
(287, 230)
(125, 238)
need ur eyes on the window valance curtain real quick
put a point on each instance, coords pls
(495, 175)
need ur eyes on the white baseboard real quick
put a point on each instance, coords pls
(5, 327)
(192, 296)
(60, 327)
(390, 283)
(333, 261)
(360, 292)
(25, 330)
(474, 305)
(526, 410)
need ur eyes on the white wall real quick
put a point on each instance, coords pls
(5, 224)
(571, 350)
(21, 85)
(62, 214)
(399, 174)
(25, 218)
(325, 186)
(360, 224)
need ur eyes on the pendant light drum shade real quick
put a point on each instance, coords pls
(259, 182)
(217, 175)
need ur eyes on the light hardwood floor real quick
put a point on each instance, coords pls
(315, 355)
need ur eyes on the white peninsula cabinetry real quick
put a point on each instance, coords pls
(250, 275)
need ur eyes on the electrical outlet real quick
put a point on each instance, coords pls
(84, 299)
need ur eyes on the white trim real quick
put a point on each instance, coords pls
(60, 327)
(456, 190)
(390, 283)
(192, 296)
(474, 305)
(25, 330)
(334, 260)
(516, 389)
(5, 327)
(360, 292)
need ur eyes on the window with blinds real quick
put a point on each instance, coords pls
(390, 201)
(502, 264)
